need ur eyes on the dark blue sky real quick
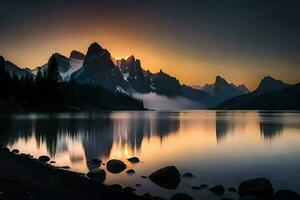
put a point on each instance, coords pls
(241, 40)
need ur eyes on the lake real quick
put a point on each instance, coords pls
(218, 147)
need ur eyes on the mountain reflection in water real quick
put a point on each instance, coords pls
(97, 132)
(214, 145)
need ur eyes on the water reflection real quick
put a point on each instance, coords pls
(214, 145)
(97, 133)
(224, 124)
(271, 125)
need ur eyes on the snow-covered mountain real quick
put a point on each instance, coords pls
(99, 69)
(134, 74)
(66, 66)
(13, 69)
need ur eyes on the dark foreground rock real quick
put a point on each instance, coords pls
(188, 175)
(218, 189)
(286, 195)
(15, 151)
(24, 178)
(130, 171)
(181, 196)
(115, 166)
(167, 177)
(97, 175)
(44, 158)
(260, 187)
(134, 160)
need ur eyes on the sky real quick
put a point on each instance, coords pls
(193, 40)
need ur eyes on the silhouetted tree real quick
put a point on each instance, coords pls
(39, 76)
(4, 79)
(2, 67)
(52, 71)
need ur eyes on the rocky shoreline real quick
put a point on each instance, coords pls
(23, 177)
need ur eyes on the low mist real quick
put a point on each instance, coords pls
(160, 102)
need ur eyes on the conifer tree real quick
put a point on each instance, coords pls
(39, 76)
(52, 71)
(2, 68)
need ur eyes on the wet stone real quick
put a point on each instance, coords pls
(130, 171)
(134, 160)
(188, 175)
(44, 158)
(115, 166)
(218, 189)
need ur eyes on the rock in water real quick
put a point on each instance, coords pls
(167, 177)
(218, 189)
(130, 171)
(134, 160)
(188, 175)
(260, 187)
(286, 195)
(115, 166)
(16, 151)
(44, 158)
(181, 196)
(98, 175)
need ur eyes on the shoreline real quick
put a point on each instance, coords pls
(23, 177)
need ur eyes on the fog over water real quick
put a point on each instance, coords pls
(160, 102)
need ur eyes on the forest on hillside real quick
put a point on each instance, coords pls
(47, 92)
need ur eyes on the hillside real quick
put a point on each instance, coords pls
(284, 99)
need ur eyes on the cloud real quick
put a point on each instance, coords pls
(160, 102)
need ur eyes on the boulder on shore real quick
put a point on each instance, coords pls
(16, 151)
(218, 189)
(115, 166)
(260, 187)
(44, 158)
(98, 175)
(181, 196)
(286, 195)
(167, 177)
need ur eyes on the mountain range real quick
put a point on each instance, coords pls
(126, 75)
(271, 94)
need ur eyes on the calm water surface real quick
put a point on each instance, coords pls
(219, 147)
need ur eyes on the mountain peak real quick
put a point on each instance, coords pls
(220, 80)
(130, 59)
(96, 46)
(77, 55)
(269, 84)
